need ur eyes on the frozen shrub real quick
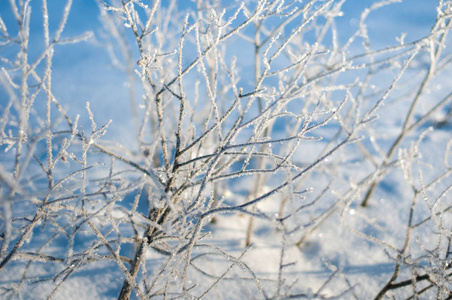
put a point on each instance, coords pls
(253, 124)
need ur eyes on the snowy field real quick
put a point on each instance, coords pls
(225, 149)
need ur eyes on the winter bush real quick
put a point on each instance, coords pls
(264, 152)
